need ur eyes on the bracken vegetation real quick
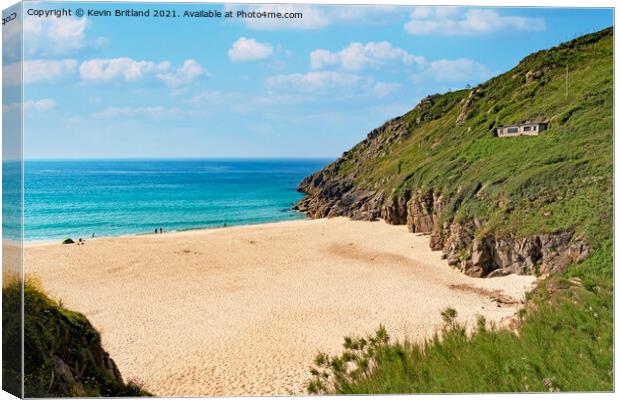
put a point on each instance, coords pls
(559, 181)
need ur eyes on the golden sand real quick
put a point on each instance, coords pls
(244, 310)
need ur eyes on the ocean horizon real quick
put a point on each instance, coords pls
(79, 198)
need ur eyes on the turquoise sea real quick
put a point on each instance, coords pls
(119, 197)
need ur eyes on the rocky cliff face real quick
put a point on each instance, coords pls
(330, 193)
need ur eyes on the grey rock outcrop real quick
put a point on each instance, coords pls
(488, 256)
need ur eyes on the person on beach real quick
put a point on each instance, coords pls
(161, 230)
(156, 231)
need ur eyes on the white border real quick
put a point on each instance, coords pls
(509, 3)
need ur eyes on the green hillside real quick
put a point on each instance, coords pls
(556, 185)
(63, 356)
(558, 180)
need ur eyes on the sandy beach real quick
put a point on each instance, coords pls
(244, 310)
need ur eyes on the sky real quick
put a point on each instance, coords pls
(123, 87)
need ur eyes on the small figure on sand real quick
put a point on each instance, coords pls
(81, 242)
(156, 231)
(161, 230)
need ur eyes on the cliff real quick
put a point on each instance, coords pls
(492, 205)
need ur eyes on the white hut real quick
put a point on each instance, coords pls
(526, 128)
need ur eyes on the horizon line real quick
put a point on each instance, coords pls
(222, 158)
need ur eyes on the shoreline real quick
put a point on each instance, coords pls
(243, 310)
(41, 242)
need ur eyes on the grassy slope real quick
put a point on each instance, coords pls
(565, 173)
(557, 181)
(50, 329)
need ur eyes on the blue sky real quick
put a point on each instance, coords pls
(194, 87)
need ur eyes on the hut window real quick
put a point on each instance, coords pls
(527, 128)
(513, 130)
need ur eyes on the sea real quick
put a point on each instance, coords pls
(81, 198)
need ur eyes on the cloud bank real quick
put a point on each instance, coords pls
(457, 21)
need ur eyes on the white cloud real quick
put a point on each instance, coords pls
(314, 81)
(103, 70)
(207, 97)
(48, 70)
(321, 58)
(11, 107)
(332, 82)
(382, 89)
(246, 49)
(272, 98)
(39, 105)
(153, 112)
(358, 56)
(12, 74)
(456, 21)
(457, 70)
(213, 101)
(362, 14)
(56, 36)
(437, 12)
(38, 71)
(36, 105)
(184, 75)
